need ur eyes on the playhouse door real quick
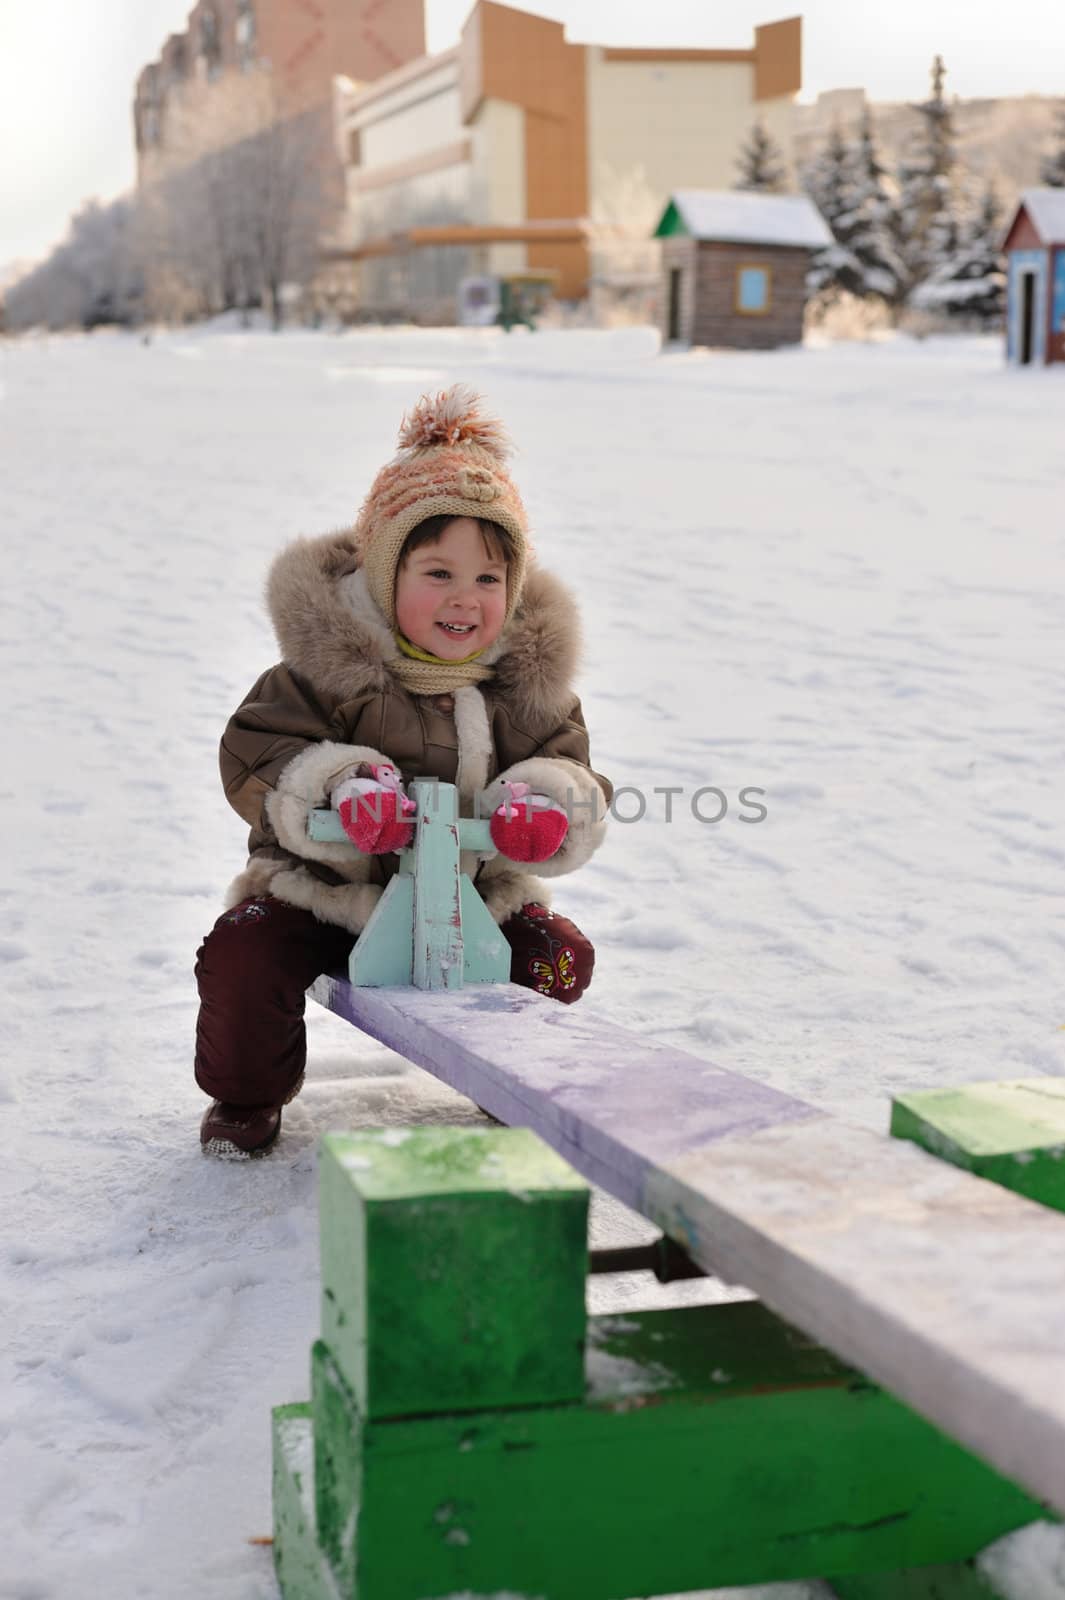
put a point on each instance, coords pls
(1027, 328)
(1027, 307)
(674, 302)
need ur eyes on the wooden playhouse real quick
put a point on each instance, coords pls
(734, 266)
(1035, 291)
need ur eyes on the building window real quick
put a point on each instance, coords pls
(245, 31)
(754, 286)
(210, 41)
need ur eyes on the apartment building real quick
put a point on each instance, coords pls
(209, 78)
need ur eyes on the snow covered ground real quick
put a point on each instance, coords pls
(835, 574)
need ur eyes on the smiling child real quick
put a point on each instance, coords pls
(423, 642)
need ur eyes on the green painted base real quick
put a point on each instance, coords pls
(961, 1582)
(1011, 1133)
(715, 1447)
(302, 1572)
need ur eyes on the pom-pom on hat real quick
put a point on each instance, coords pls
(452, 461)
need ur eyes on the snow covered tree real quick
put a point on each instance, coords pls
(829, 181)
(874, 223)
(928, 222)
(90, 278)
(847, 186)
(971, 283)
(1052, 170)
(760, 165)
(242, 212)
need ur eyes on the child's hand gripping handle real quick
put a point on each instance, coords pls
(527, 826)
(374, 811)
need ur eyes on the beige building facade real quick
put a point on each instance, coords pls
(519, 150)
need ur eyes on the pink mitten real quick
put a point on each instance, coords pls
(527, 827)
(374, 811)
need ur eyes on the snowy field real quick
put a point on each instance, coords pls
(834, 574)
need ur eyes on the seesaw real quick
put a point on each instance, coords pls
(472, 1432)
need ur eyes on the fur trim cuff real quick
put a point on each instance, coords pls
(345, 905)
(305, 783)
(254, 881)
(571, 787)
(506, 889)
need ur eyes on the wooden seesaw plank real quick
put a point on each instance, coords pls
(947, 1290)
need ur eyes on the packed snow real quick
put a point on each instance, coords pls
(833, 574)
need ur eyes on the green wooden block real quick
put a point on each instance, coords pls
(453, 1269)
(1011, 1133)
(716, 1447)
(301, 1571)
(338, 1458)
(962, 1581)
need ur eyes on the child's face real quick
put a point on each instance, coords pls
(451, 596)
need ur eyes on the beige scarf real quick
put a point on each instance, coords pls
(421, 673)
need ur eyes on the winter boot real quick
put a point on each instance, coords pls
(234, 1133)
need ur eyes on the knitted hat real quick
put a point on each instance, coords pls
(452, 462)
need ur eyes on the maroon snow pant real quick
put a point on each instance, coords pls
(255, 964)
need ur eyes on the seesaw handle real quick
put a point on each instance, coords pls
(430, 928)
(325, 826)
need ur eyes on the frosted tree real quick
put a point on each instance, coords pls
(242, 209)
(1052, 168)
(847, 184)
(90, 278)
(625, 255)
(970, 284)
(928, 222)
(874, 230)
(283, 177)
(829, 181)
(760, 166)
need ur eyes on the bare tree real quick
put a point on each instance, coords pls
(240, 209)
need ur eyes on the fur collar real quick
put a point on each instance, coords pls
(334, 635)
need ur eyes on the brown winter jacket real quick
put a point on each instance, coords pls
(334, 702)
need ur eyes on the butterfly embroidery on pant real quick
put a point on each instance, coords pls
(561, 972)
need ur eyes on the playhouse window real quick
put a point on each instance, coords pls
(753, 291)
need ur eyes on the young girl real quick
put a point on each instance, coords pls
(423, 642)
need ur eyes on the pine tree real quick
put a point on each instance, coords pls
(1052, 170)
(927, 220)
(970, 283)
(847, 184)
(829, 182)
(828, 179)
(761, 166)
(874, 231)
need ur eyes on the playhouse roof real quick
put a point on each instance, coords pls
(1046, 212)
(736, 217)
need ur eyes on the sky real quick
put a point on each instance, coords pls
(67, 69)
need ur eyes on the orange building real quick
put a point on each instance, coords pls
(519, 150)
